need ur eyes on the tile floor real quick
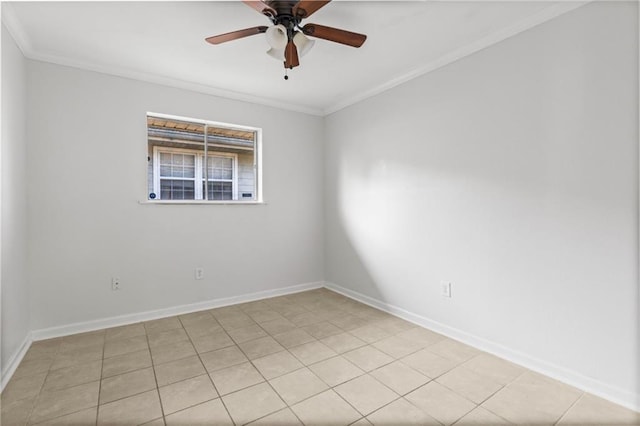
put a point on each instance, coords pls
(313, 358)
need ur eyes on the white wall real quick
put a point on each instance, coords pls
(512, 173)
(87, 160)
(15, 324)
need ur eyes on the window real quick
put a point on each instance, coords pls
(199, 160)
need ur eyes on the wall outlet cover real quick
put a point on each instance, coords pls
(199, 274)
(445, 288)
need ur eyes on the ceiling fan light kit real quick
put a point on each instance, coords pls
(277, 36)
(303, 43)
(277, 54)
(287, 39)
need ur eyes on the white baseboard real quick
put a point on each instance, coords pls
(596, 387)
(572, 378)
(81, 327)
(14, 361)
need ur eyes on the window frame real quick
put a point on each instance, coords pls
(257, 164)
(198, 176)
(234, 177)
(156, 170)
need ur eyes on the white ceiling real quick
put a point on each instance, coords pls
(164, 42)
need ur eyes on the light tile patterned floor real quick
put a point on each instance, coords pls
(313, 358)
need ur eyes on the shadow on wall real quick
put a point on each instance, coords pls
(512, 174)
(507, 221)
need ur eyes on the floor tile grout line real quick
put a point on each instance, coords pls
(502, 386)
(135, 369)
(582, 394)
(304, 366)
(352, 406)
(267, 381)
(100, 384)
(329, 386)
(3, 397)
(397, 399)
(135, 394)
(287, 406)
(368, 373)
(37, 398)
(394, 360)
(496, 392)
(495, 414)
(155, 377)
(188, 407)
(293, 371)
(465, 414)
(55, 417)
(63, 415)
(207, 373)
(423, 411)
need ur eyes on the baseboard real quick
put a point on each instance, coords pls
(572, 378)
(81, 327)
(15, 360)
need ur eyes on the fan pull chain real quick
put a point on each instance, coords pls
(286, 77)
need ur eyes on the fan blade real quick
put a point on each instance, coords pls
(334, 34)
(234, 35)
(261, 7)
(291, 55)
(305, 8)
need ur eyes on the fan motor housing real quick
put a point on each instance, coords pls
(282, 7)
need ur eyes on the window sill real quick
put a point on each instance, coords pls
(200, 202)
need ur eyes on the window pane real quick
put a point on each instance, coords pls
(177, 165)
(220, 191)
(189, 189)
(177, 189)
(176, 160)
(226, 168)
(220, 167)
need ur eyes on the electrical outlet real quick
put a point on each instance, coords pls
(445, 288)
(115, 283)
(199, 273)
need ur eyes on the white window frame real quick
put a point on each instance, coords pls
(258, 164)
(234, 178)
(198, 175)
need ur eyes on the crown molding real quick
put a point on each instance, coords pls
(541, 17)
(12, 23)
(172, 82)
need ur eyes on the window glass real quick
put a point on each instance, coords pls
(192, 159)
(177, 189)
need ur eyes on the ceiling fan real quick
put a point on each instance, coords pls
(286, 37)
